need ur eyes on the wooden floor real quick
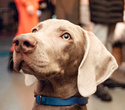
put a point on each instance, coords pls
(14, 95)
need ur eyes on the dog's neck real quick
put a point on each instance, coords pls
(59, 88)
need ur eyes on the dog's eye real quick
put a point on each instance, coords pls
(34, 30)
(66, 36)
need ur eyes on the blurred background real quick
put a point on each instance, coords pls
(105, 18)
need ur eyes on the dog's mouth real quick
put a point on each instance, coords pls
(20, 65)
(30, 66)
(38, 67)
(35, 70)
(24, 67)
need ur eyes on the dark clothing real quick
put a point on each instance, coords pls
(106, 11)
(68, 9)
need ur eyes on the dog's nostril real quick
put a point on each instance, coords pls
(30, 43)
(16, 42)
(26, 43)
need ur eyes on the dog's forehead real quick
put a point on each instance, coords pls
(56, 24)
(58, 27)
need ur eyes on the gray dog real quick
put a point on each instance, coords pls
(67, 62)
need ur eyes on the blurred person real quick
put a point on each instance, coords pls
(118, 77)
(47, 9)
(85, 22)
(105, 14)
(118, 52)
(27, 19)
(68, 9)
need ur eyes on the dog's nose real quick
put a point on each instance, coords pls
(24, 43)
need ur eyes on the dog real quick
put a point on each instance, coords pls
(68, 63)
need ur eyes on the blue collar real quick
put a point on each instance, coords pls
(43, 100)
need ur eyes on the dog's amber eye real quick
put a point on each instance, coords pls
(66, 36)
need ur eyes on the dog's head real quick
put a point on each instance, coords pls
(58, 47)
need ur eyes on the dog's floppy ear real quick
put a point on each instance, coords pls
(96, 66)
(29, 79)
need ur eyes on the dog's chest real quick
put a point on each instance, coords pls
(73, 107)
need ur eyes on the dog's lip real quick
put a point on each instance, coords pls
(24, 67)
(19, 66)
(36, 62)
(28, 64)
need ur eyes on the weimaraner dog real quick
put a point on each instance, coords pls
(67, 62)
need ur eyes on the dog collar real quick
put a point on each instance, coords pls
(43, 100)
